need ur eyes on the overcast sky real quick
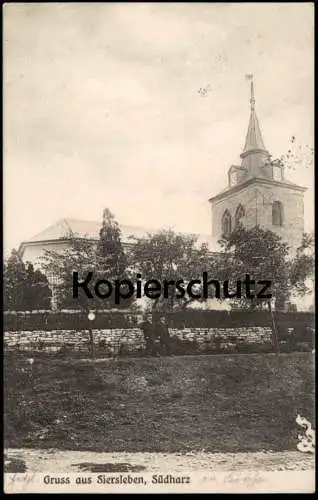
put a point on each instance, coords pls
(102, 107)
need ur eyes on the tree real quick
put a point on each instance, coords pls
(297, 156)
(302, 266)
(38, 292)
(165, 258)
(79, 256)
(169, 257)
(110, 252)
(112, 263)
(105, 258)
(300, 158)
(262, 255)
(14, 276)
(24, 288)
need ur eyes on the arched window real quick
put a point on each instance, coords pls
(277, 213)
(239, 214)
(226, 223)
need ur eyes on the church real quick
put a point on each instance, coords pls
(257, 193)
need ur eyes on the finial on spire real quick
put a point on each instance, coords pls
(252, 99)
(254, 139)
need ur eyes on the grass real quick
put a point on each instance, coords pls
(225, 403)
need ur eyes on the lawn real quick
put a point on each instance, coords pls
(220, 403)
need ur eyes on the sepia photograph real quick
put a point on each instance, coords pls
(159, 247)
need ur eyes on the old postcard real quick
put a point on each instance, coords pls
(159, 247)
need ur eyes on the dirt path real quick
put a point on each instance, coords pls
(75, 461)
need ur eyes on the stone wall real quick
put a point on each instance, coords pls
(113, 340)
(225, 336)
(56, 340)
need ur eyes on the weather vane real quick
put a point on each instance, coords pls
(249, 77)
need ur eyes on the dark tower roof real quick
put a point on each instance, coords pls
(254, 154)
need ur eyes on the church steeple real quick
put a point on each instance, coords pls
(254, 138)
(254, 154)
(257, 193)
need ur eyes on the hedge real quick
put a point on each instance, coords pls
(66, 320)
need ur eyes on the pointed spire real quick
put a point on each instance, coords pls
(254, 140)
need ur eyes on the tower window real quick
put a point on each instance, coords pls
(226, 223)
(277, 213)
(239, 214)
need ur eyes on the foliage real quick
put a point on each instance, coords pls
(104, 258)
(120, 319)
(168, 256)
(299, 158)
(24, 288)
(78, 256)
(302, 266)
(296, 157)
(109, 252)
(263, 255)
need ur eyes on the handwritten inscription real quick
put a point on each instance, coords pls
(248, 480)
(23, 480)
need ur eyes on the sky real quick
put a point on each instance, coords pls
(102, 107)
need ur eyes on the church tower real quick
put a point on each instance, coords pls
(258, 193)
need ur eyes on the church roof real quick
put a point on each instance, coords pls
(83, 229)
(63, 228)
(250, 180)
